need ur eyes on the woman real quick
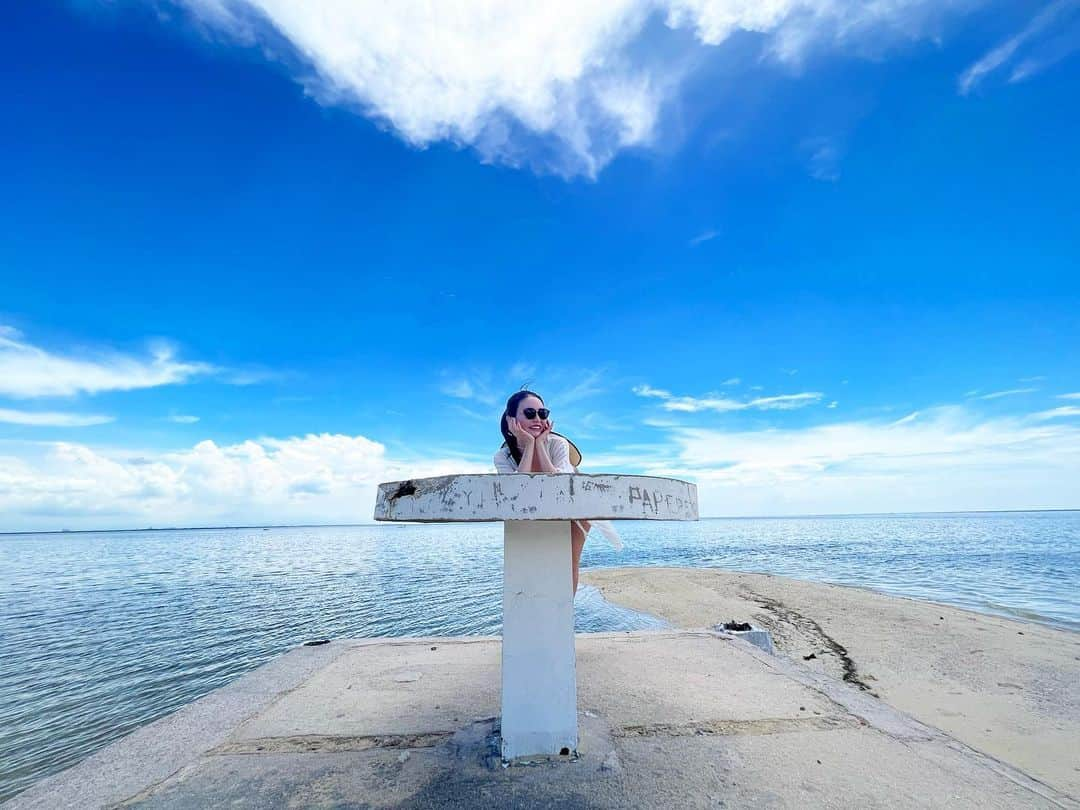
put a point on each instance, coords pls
(530, 446)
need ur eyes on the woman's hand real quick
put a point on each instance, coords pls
(548, 425)
(524, 438)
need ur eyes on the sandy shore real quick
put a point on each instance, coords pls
(1010, 689)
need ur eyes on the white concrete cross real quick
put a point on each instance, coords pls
(539, 674)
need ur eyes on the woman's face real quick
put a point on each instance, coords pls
(535, 425)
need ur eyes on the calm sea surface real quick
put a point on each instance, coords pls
(103, 632)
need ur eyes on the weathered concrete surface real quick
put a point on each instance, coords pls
(1009, 688)
(536, 496)
(539, 674)
(667, 719)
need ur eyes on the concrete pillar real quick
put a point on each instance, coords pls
(539, 673)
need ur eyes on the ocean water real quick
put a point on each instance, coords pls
(103, 632)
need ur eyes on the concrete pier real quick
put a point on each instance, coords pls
(539, 682)
(666, 719)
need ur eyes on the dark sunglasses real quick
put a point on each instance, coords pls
(532, 413)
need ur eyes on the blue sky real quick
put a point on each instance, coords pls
(816, 258)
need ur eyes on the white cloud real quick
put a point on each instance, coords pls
(561, 85)
(1069, 396)
(51, 418)
(732, 381)
(183, 419)
(461, 389)
(785, 402)
(1059, 413)
(704, 236)
(1050, 36)
(1010, 393)
(649, 391)
(782, 402)
(940, 459)
(943, 458)
(324, 478)
(475, 386)
(28, 371)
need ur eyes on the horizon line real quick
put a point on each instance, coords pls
(384, 523)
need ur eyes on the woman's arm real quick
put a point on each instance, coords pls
(540, 448)
(525, 465)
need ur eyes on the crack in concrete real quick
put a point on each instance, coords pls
(734, 728)
(331, 743)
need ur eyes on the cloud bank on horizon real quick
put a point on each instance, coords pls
(943, 458)
(560, 87)
(317, 478)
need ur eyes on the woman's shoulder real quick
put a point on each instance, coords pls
(503, 460)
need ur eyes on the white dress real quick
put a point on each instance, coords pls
(559, 453)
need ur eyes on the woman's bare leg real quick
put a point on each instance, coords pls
(577, 543)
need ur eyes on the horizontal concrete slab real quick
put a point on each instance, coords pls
(539, 496)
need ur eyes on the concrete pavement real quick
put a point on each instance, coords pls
(667, 719)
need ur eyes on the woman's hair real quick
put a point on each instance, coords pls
(511, 410)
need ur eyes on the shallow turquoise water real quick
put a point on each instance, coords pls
(103, 632)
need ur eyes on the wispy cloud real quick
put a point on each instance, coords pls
(822, 158)
(704, 236)
(732, 381)
(469, 412)
(28, 371)
(560, 386)
(475, 386)
(250, 376)
(1050, 36)
(562, 86)
(1069, 396)
(1009, 393)
(183, 419)
(649, 391)
(686, 404)
(1059, 413)
(51, 418)
(589, 383)
(598, 422)
(522, 372)
(461, 389)
(939, 458)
